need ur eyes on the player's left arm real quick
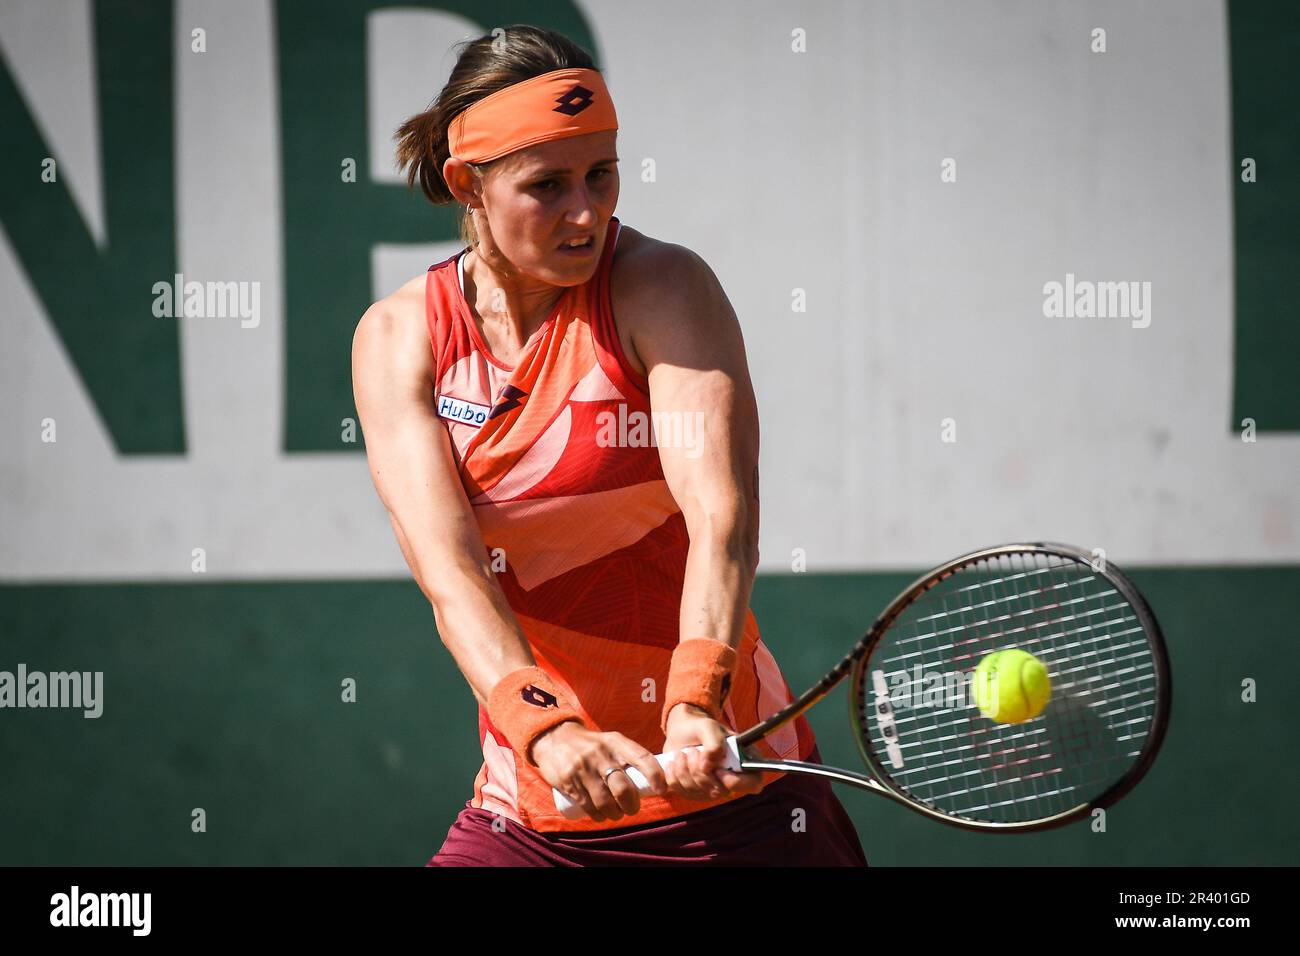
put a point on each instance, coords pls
(689, 339)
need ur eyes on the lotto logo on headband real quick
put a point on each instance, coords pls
(574, 101)
(532, 694)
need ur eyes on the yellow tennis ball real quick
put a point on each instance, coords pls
(1011, 686)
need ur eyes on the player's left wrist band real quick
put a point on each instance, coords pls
(700, 674)
(525, 704)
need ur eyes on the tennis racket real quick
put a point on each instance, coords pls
(916, 715)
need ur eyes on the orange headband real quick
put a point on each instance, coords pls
(551, 106)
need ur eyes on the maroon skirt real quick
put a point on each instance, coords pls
(760, 829)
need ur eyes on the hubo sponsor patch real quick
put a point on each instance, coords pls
(459, 410)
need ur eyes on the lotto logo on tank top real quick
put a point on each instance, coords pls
(459, 410)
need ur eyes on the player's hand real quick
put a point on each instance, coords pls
(700, 774)
(574, 760)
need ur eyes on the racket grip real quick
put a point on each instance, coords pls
(574, 811)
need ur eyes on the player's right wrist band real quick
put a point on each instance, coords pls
(699, 674)
(525, 704)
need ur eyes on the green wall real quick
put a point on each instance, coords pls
(1264, 37)
(227, 697)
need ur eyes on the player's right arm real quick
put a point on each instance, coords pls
(409, 453)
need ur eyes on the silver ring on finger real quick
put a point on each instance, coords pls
(605, 775)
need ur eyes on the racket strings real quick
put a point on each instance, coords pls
(946, 754)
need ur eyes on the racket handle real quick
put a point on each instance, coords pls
(574, 811)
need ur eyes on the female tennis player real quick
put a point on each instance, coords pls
(560, 422)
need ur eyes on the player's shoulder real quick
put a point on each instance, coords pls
(400, 309)
(396, 319)
(644, 261)
(654, 279)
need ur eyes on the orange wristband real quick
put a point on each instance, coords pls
(700, 674)
(525, 704)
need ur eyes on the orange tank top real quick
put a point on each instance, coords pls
(557, 460)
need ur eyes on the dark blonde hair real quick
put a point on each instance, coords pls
(489, 63)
